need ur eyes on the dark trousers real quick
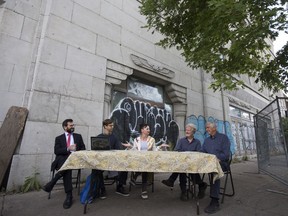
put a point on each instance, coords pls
(183, 179)
(215, 187)
(67, 180)
(122, 178)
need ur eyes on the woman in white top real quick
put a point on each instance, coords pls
(144, 142)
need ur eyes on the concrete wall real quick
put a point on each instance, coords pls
(54, 56)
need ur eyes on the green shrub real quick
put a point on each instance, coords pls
(31, 183)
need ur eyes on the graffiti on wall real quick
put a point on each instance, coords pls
(222, 127)
(129, 114)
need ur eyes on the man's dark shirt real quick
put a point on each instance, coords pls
(184, 145)
(218, 145)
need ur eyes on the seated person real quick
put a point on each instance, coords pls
(219, 145)
(114, 144)
(144, 142)
(64, 145)
(187, 143)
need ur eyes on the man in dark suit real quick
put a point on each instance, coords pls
(64, 145)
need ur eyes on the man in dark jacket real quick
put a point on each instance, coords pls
(219, 145)
(65, 144)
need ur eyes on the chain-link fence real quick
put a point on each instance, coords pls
(271, 130)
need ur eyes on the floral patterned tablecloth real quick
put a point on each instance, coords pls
(148, 161)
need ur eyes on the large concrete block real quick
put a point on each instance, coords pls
(26, 165)
(98, 88)
(67, 32)
(137, 43)
(14, 51)
(80, 86)
(212, 102)
(44, 107)
(95, 23)
(113, 53)
(39, 137)
(119, 17)
(12, 23)
(54, 52)
(195, 109)
(18, 79)
(132, 8)
(52, 79)
(84, 112)
(62, 9)
(92, 5)
(6, 74)
(8, 99)
(86, 63)
(194, 97)
(29, 29)
(118, 3)
(28, 8)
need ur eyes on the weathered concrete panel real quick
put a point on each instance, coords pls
(14, 51)
(95, 23)
(43, 138)
(137, 43)
(118, 3)
(6, 74)
(62, 9)
(64, 31)
(113, 53)
(86, 63)
(98, 88)
(18, 79)
(84, 112)
(91, 5)
(12, 23)
(80, 86)
(26, 165)
(27, 8)
(54, 52)
(8, 99)
(52, 79)
(44, 107)
(29, 29)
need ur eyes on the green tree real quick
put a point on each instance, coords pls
(226, 38)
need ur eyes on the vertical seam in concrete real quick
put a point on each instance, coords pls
(40, 47)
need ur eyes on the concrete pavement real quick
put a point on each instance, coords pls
(256, 194)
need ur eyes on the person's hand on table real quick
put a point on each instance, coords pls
(127, 145)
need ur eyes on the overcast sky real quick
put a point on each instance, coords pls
(280, 41)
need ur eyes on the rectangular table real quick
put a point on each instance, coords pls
(145, 161)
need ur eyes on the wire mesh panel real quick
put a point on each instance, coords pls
(271, 130)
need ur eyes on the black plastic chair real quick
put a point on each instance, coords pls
(76, 179)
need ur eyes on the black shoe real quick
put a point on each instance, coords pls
(184, 196)
(213, 207)
(48, 187)
(68, 201)
(121, 191)
(202, 189)
(103, 194)
(168, 183)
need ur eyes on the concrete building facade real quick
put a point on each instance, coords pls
(79, 58)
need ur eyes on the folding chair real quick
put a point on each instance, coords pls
(227, 174)
(76, 179)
